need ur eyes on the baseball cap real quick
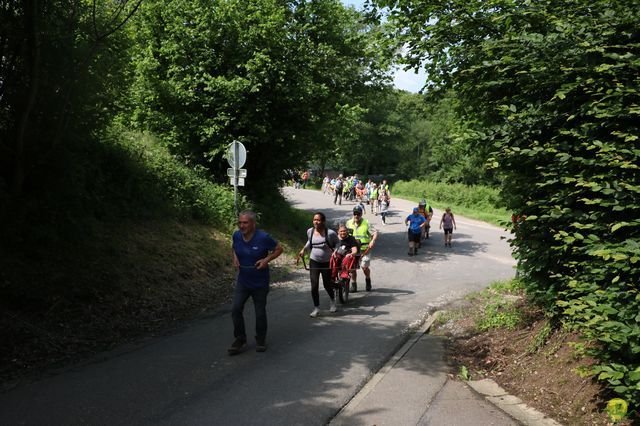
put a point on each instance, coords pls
(357, 210)
(415, 210)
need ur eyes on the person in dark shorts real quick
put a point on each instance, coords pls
(415, 221)
(448, 224)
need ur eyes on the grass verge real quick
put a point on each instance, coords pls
(475, 202)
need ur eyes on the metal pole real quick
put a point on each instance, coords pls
(236, 160)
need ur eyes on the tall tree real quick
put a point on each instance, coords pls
(552, 88)
(59, 64)
(269, 73)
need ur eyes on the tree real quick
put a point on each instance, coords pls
(272, 74)
(59, 68)
(551, 89)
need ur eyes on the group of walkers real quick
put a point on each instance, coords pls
(418, 224)
(253, 249)
(352, 243)
(351, 188)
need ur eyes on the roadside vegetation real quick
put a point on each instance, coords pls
(549, 92)
(499, 334)
(479, 202)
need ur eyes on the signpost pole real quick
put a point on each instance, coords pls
(236, 157)
(236, 161)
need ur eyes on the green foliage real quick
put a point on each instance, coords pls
(278, 76)
(552, 89)
(446, 316)
(409, 135)
(500, 314)
(455, 194)
(376, 136)
(436, 143)
(62, 72)
(478, 201)
(161, 175)
(464, 373)
(497, 305)
(540, 338)
(617, 409)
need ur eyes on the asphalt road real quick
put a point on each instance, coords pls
(312, 368)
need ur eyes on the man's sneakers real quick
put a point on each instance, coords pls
(315, 312)
(368, 281)
(261, 345)
(332, 306)
(238, 346)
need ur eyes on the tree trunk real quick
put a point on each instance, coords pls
(323, 166)
(32, 61)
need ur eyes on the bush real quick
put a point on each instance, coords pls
(160, 175)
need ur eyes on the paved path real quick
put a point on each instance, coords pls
(313, 367)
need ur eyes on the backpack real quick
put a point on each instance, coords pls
(339, 184)
(326, 238)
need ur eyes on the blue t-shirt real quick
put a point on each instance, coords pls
(249, 253)
(414, 222)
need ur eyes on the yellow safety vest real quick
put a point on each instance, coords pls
(361, 233)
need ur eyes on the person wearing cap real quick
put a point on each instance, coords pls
(367, 235)
(416, 223)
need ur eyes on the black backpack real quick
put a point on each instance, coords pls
(326, 238)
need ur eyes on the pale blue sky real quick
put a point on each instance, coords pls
(356, 3)
(405, 80)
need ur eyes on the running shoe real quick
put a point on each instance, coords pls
(238, 345)
(261, 345)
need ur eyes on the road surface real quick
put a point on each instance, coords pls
(313, 367)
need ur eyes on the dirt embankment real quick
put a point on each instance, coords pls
(131, 280)
(531, 361)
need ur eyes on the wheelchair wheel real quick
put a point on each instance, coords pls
(343, 292)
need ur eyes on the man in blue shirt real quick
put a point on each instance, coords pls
(253, 249)
(416, 222)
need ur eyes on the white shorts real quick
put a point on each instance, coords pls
(365, 261)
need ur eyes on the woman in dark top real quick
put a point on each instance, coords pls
(348, 244)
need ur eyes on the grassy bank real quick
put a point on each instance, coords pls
(136, 246)
(475, 202)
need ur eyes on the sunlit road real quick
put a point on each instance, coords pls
(480, 255)
(312, 367)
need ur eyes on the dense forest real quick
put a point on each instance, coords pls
(119, 110)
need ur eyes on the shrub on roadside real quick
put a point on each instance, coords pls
(187, 189)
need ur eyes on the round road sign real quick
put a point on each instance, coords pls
(236, 154)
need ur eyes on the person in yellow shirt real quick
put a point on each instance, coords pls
(367, 236)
